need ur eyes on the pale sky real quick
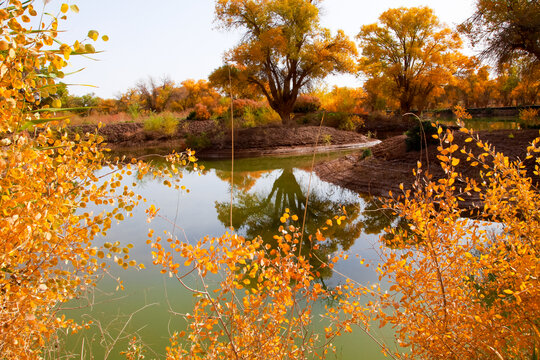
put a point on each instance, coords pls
(178, 38)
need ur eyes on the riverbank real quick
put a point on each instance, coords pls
(391, 164)
(212, 142)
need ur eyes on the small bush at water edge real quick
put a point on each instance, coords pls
(164, 123)
(420, 135)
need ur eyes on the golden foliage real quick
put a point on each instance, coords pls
(285, 48)
(342, 99)
(462, 288)
(263, 306)
(412, 50)
(48, 178)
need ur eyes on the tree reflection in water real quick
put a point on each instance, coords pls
(257, 213)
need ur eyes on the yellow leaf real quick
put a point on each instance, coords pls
(89, 48)
(93, 34)
(64, 8)
(74, 8)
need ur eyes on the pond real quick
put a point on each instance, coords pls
(489, 123)
(263, 188)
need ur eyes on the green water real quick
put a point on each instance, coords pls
(263, 188)
(491, 123)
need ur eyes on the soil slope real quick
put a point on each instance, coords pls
(391, 165)
(279, 140)
(247, 142)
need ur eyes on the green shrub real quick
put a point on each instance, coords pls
(250, 113)
(350, 123)
(164, 123)
(334, 119)
(134, 110)
(366, 153)
(327, 139)
(420, 135)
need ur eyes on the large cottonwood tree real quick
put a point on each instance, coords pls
(506, 28)
(410, 47)
(283, 48)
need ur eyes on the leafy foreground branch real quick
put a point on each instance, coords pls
(263, 306)
(47, 180)
(462, 288)
(458, 288)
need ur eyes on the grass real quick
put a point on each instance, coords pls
(105, 119)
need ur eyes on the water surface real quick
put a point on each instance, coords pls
(263, 189)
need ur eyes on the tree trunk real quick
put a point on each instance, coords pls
(285, 111)
(286, 118)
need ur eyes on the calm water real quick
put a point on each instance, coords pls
(492, 123)
(263, 188)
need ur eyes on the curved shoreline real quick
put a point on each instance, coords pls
(281, 151)
(391, 165)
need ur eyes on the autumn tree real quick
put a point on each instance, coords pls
(284, 47)
(155, 95)
(507, 80)
(527, 91)
(505, 29)
(199, 92)
(471, 86)
(342, 99)
(411, 48)
(378, 89)
(230, 81)
(47, 179)
(461, 288)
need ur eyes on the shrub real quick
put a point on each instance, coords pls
(51, 244)
(327, 139)
(164, 123)
(134, 110)
(473, 290)
(421, 135)
(339, 120)
(529, 118)
(259, 117)
(201, 112)
(240, 106)
(351, 123)
(334, 119)
(306, 104)
(250, 113)
(366, 153)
